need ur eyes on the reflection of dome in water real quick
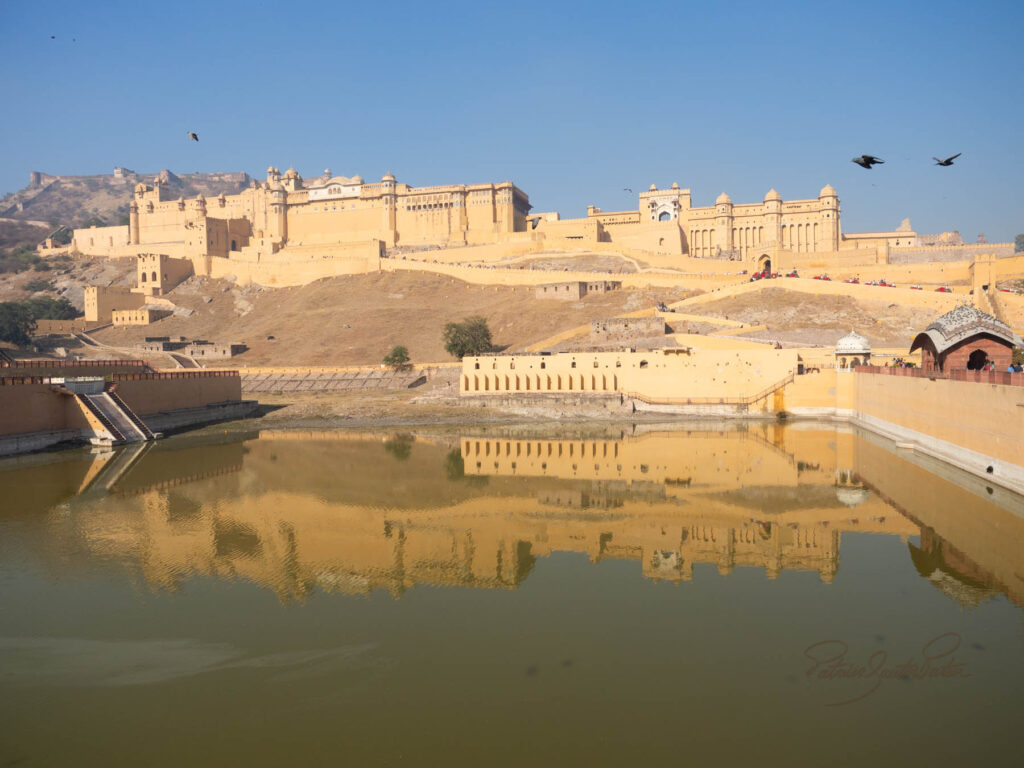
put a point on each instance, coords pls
(851, 497)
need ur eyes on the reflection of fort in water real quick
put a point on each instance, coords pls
(348, 514)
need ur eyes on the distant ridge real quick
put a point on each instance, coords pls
(72, 200)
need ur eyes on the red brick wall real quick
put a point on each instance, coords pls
(998, 352)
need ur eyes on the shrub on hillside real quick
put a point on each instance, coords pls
(397, 358)
(38, 284)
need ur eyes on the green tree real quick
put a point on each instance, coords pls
(1018, 244)
(16, 323)
(44, 307)
(470, 337)
(397, 358)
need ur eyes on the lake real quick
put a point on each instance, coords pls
(732, 593)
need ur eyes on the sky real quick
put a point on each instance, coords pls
(574, 102)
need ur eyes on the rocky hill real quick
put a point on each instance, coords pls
(73, 200)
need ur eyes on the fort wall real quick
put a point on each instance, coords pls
(670, 376)
(148, 393)
(101, 301)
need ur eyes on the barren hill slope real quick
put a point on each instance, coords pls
(356, 320)
(817, 319)
(70, 200)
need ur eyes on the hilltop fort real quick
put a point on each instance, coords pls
(287, 230)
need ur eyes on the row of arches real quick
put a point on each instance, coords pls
(702, 243)
(745, 238)
(521, 448)
(801, 238)
(537, 383)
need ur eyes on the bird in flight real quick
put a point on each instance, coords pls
(53, 37)
(627, 189)
(948, 160)
(866, 161)
(193, 135)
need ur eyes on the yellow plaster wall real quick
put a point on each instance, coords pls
(987, 418)
(100, 302)
(662, 376)
(153, 393)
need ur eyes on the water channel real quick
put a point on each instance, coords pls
(737, 594)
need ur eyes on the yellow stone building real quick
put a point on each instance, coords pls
(286, 211)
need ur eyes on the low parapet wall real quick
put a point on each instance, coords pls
(56, 368)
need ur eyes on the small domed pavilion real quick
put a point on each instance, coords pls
(852, 350)
(966, 339)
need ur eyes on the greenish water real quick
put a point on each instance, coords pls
(750, 595)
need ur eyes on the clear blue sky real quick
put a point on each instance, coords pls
(573, 102)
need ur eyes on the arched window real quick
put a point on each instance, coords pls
(643, 363)
(143, 277)
(664, 216)
(154, 277)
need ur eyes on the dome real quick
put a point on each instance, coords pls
(723, 199)
(653, 188)
(271, 170)
(827, 191)
(851, 497)
(327, 173)
(356, 179)
(853, 344)
(387, 177)
(291, 173)
(772, 195)
(961, 323)
(675, 185)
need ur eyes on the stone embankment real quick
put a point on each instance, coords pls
(338, 379)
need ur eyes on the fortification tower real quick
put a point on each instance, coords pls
(723, 222)
(828, 240)
(389, 203)
(772, 217)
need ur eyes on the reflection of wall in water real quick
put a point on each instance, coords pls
(705, 458)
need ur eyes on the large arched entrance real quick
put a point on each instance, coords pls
(764, 264)
(977, 360)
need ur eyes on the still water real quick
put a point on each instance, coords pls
(745, 595)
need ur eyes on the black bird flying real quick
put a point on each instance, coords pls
(193, 135)
(866, 161)
(948, 160)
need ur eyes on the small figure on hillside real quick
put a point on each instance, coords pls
(866, 161)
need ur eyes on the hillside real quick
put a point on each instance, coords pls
(71, 200)
(357, 319)
(813, 319)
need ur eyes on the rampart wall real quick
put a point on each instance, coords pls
(60, 368)
(943, 253)
(968, 423)
(148, 393)
(27, 404)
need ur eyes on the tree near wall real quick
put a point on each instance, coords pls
(1018, 244)
(470, 337)
(397, 358)
(16, 323)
